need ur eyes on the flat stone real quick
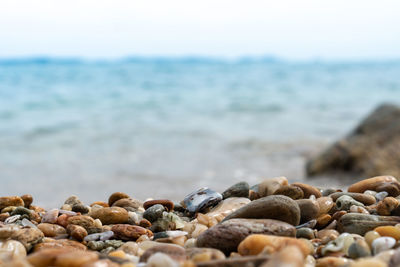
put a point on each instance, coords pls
(128, 232)
(51, 230)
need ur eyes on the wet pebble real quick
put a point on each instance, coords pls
(240, 189)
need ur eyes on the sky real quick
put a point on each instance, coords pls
(305, 29)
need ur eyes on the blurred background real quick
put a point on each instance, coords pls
(159, 98)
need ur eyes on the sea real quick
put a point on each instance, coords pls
(163, 127)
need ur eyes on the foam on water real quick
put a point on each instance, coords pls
(162, 128)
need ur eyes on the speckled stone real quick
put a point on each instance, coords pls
(129, 232)
(10, 201)
(111, 215)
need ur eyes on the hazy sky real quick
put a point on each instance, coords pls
(298, 29)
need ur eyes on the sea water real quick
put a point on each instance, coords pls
(164, 127)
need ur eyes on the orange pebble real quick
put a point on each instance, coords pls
(391, 231)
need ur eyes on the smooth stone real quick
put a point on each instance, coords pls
(201, 200)
(13, 248)
(169, 221)
(370, 236)
(22, 211)
(50, 216)
(240, 189)
(228, 206)
(327, 234)
(28, 237)
(72, 200)
(309, 209)
(10, 201)
(325, 204)
(345, 202)
(308, 190)
(99, 236)
(363, 198)
(359, 249)
(76, 232)
(253, 261)
(341, 243)
(51, 230)
(391, 231)
(332, 262)
(168, 204)
(292, 191)
(268, 186)
(177, 253)
(161, 260)
(256, 243)
(115, 197)
(128, 204)
(358, 223)
(288, 256)
(113, 215)
(85, 221)
(368, 262)
(60, 243)
(26, 222)
(386, 206)
(130, 248)
(381, 195)
(382, 243)
(62, 258)
(378, 184)
(129, 232)
(276, 207)
(226, 236)
(204, 254)
(305, 232)
(154, 212)
(80, 208)
(28, 199)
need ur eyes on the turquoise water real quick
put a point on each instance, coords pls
(162, 128)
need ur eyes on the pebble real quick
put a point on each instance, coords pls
(227, 236)
(168, 204)
(28, 237)
(345, 202)
(363, 198)
(177, 253)
(76, 232)
(359, 249)
(292, 191)
(129, 232)
(276, 207)
(200, 200)
(10, 201)
(309, 209)
(378, 184)
(308, 190)
(391, 231)
(357, 223)
(51, 230)
(115, 197)
(112, 215)
(382, 243)
(268, 186)
(154, 212)
(240, 189)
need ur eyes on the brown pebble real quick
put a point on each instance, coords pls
(112, 215)
(60, 243)
(387, 205)
(168, 204)
(292, 191)
(28, 199)
(77, 232)
(10, 201)
(336, 216)
(308, 190)
(377, 183)
(51, 230)
(100, 203)
(177, 253)
(144, 223)
(128, 232)
(63, 220)
(323, 220)
(116, 196)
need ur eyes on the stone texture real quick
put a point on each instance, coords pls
(111, 215)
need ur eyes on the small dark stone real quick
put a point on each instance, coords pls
(240, 189)
(154, 212)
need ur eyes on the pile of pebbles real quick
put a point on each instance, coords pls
(273, 223)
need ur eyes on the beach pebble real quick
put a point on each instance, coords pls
(341, 243)
(177, 253)
(129, 232)
(386, 206)
(130, 248)
(113, 215)
(50, 216)
(226, 236)
(228, 206)
(309, 209)
(14, 250)
(60, 243)
(332, 262)
(358, 223)
(161, 260)
(276, 207)
(268, 186)
(381, 195)
(325, 204)
(76, 232)
(382, 243)
(359, 249)
(202, 199)
(61, 258)
(366, 199)
(28, 237)
(168, 204)
(308, 190)
(85, 221)
(305, 232)
(368, 263)
(288, 256)
(128, 204)
(292, 191)
(391, 231)
(10, 201)
(99, 236)
(154, 212)
(51, 230)
(345, 202)
(240, 189)
(204, 254)
(378, 184)
(28, 199)
(115, 197)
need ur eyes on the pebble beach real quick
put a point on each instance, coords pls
(273, 223)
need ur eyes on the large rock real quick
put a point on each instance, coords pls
(372, 149)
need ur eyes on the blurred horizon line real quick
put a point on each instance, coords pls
(44, 59)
